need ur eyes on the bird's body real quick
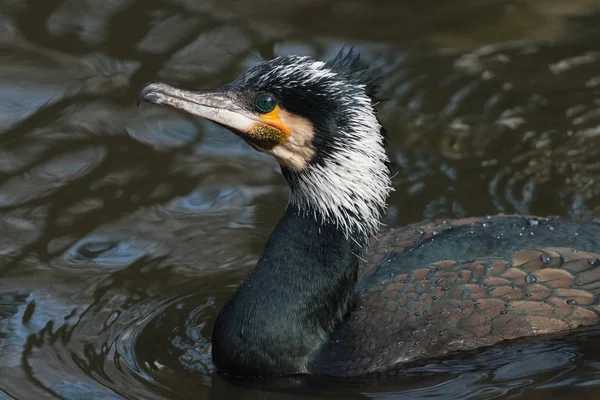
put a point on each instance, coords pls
(326, 298)
(428, 290)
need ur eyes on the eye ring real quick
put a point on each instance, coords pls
(265, 102)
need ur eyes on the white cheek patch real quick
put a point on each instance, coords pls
(295, 157)
(298, 150)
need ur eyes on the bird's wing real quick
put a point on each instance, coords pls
(447, 306)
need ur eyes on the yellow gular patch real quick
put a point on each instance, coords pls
(298, 150)
(271, 132)
(285, 136)
(275, 121)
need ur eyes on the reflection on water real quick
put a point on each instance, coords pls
(124, 230)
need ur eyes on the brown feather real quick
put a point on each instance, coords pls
(453, 305)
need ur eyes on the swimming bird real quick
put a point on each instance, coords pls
(332, 296)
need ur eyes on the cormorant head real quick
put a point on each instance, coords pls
(317, 119)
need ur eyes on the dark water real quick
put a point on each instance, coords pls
(123, 230)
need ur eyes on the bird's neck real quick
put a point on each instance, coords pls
(291, 302)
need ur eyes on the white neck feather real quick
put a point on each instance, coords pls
(350, 187)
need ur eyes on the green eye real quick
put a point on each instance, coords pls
(265, 103)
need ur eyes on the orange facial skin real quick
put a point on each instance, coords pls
(271, 132)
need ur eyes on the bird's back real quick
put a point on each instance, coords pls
(429, 290)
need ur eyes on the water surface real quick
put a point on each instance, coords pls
(124, 229)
